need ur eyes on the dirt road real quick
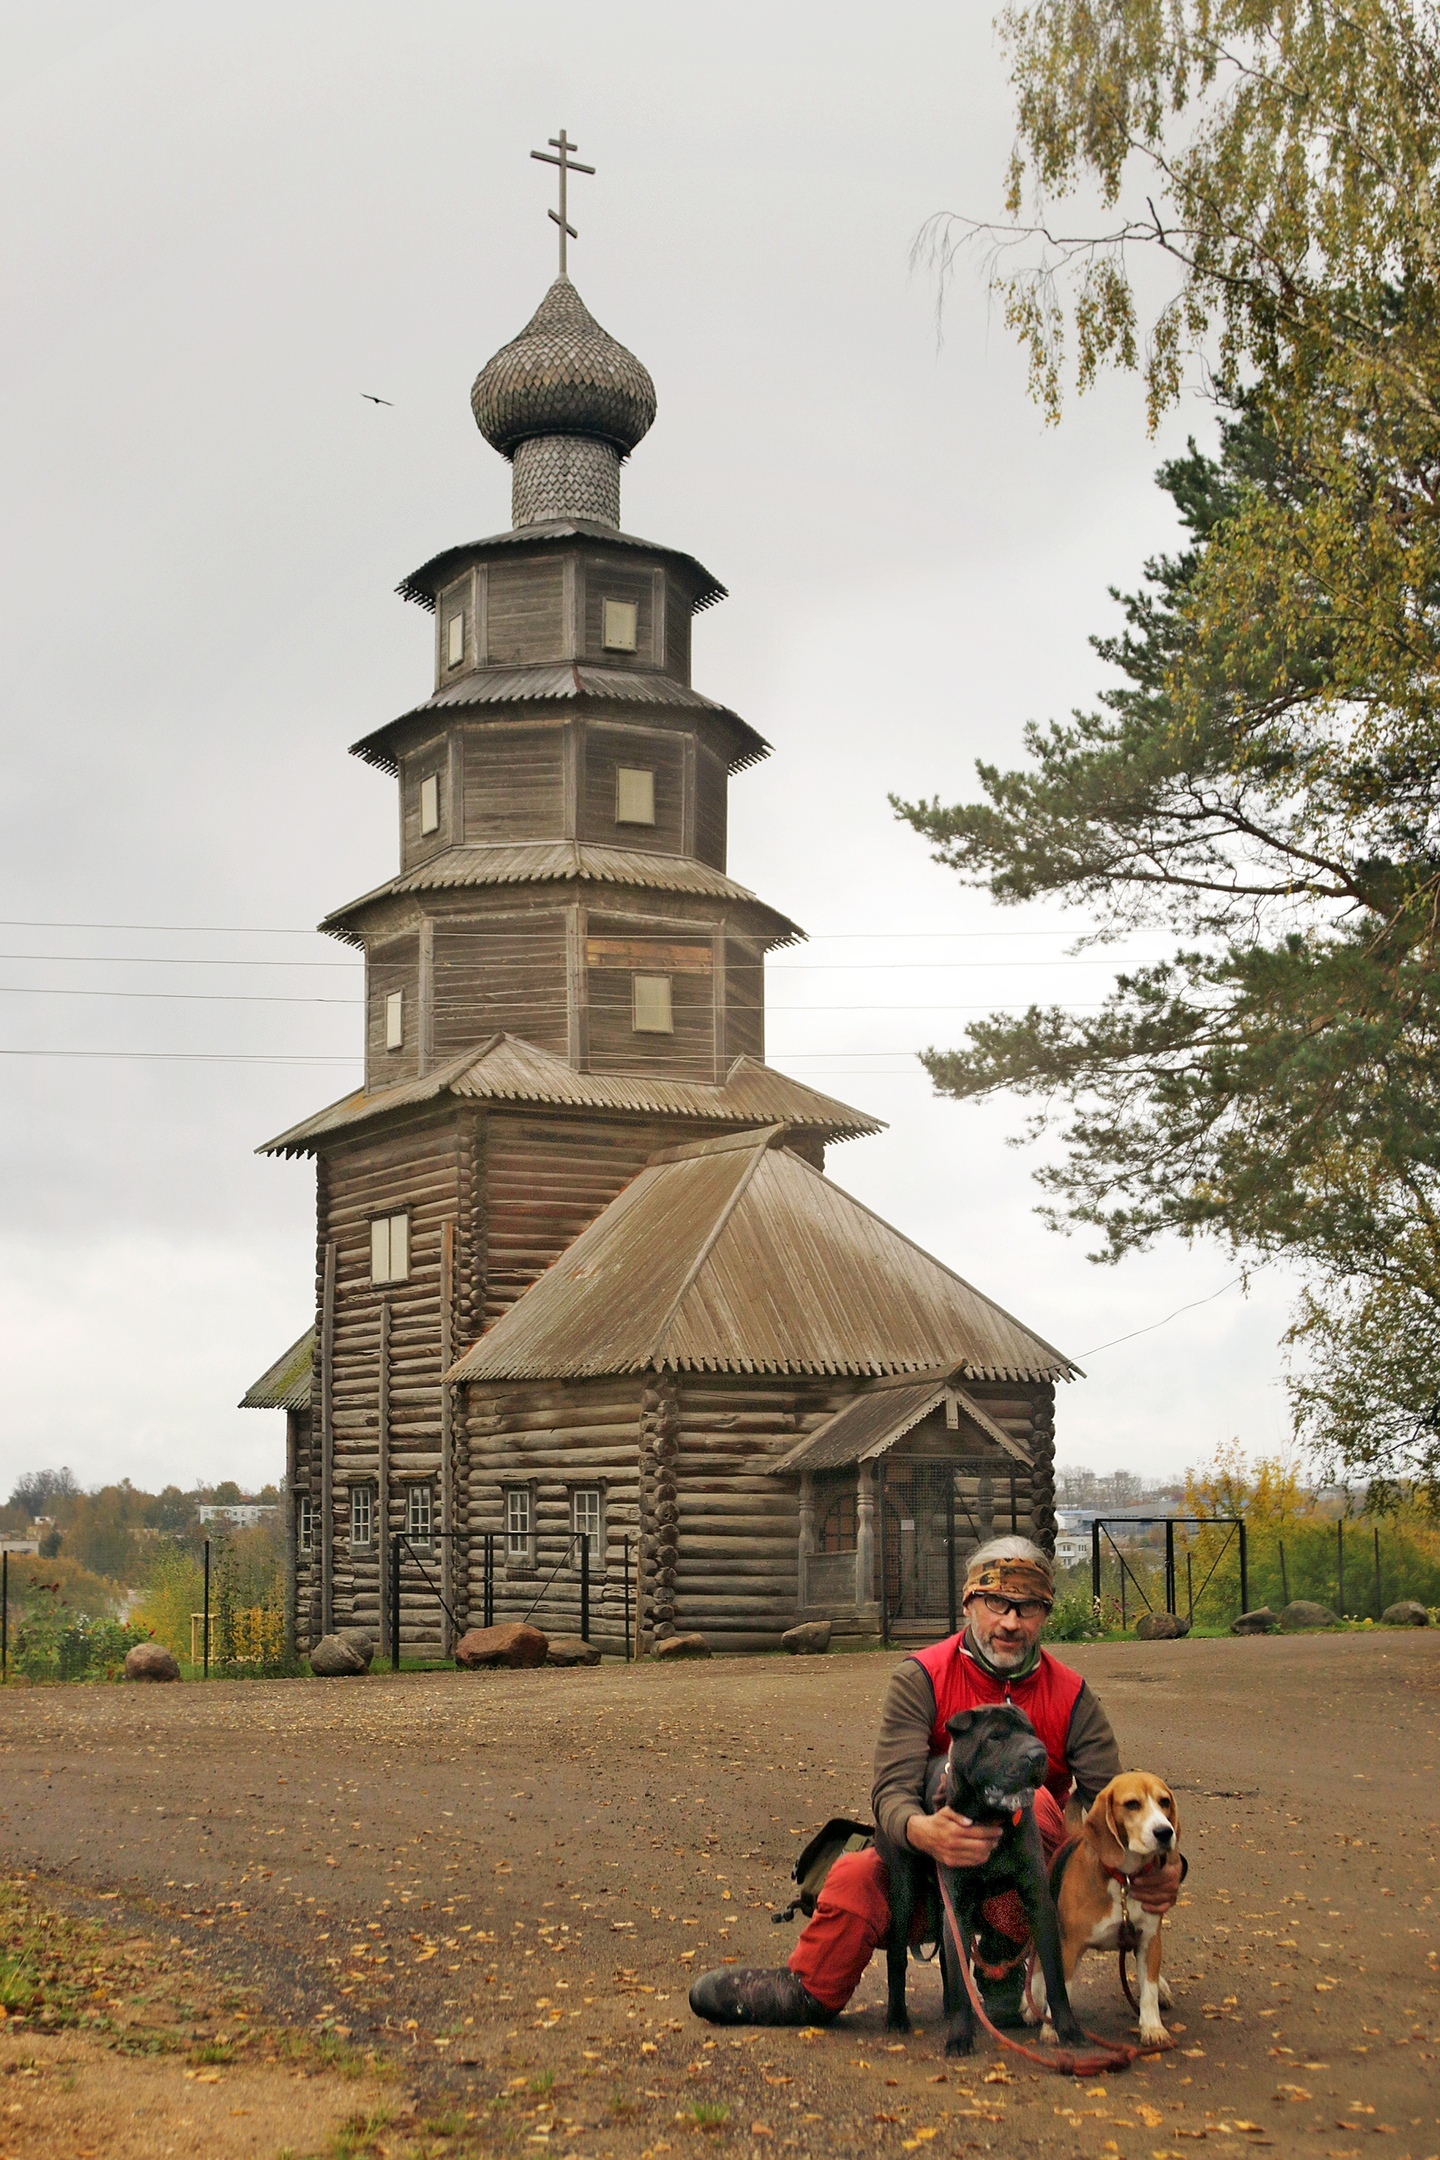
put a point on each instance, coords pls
(505, 1882)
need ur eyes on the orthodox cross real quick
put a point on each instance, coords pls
(567, 165)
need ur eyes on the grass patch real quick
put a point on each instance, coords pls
(709, 2114)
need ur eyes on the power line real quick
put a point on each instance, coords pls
(188, 1057)
(820, 937)
(1115, 1344)
(167, 960)
(187, 997)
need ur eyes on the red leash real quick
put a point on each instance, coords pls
(1110, 2054)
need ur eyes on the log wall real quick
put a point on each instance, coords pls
(552, 1438)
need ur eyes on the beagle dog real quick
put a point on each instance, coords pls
(1131, 1826)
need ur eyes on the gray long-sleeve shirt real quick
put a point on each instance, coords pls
(902, 1749)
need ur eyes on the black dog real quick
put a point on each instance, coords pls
(991, 1774)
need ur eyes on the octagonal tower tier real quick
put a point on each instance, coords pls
(563, 791)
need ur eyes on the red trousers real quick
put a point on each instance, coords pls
(852, 1915)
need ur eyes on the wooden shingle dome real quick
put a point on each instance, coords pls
(563, 375)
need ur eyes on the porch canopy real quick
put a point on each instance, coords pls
(870, 1426)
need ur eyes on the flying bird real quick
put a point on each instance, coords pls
(376, 400)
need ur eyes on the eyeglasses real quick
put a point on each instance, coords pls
(1029, 1608)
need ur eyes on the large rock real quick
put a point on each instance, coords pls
(1160, 1627)
(807, 1640)
(512, 1643)
(1408, 1612)
(359, 1638)
(1261, 1621)
(332, 1658)
(150, 1661)
(571, 1650)
(1303, 1613)
(682, 1646)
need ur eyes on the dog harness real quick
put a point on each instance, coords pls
(1047, 1696)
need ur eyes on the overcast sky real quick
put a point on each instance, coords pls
(218, 228)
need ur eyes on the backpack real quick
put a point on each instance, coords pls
(839, 1835)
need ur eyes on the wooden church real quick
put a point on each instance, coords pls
(580, 1275)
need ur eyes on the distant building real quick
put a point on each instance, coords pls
(20, 1544)
(240, 1514)
(1071, 1549)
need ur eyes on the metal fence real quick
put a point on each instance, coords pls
(1135, 1587)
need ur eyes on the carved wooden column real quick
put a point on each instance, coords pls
(864, 1535)
(807, 1536)
(985, 1507)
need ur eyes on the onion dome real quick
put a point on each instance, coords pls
(563, 375)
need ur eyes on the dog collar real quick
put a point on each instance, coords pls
(1122, 1875)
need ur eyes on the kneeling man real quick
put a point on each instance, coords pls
(1009, 1590)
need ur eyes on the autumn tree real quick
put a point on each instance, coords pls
(1262, 780)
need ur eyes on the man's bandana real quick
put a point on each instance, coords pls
(1012, 1579)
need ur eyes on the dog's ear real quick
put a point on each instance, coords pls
(962, 1722)
(1101, 1829)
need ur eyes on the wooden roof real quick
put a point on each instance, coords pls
(543, 862)
(563, 682)
(734, 1255)
(874, 1422)
(286, 1386)
(424, 584)
(505, 1069)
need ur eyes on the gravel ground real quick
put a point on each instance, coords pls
(503, 1882)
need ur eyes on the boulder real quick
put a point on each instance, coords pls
(1409, 1612)
(512, 1643)
(807, 1640)
(1160, 1627)
(570, 1650)
(1303, 1613)
(359, 1638)
(682, 1646)
(1262, 1621)
(332, 1658)
(150, 1661)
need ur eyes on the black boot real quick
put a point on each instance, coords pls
(728, 1997)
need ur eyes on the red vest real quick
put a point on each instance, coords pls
(1047, 1696)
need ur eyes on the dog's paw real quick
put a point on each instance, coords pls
(897, 2021)
(960, 2044)
(1153, 2035)
(1048, 2035)
(1167, 2000)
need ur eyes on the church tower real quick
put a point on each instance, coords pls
(582, 1286)
(560, 979)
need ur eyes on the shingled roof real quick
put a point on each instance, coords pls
(734, 1255)
(286, 1386)
(563, 682)
(507, 1069)
(544, 862)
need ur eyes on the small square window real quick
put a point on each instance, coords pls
(517, 1523)
(390, 1249)
(307, 1522)
(417, 1514)
(395, 1020)
(634, 796)
(430, 803)
(362, 1515)
(621, 623)
(652, 1005)
(585, 1521)
(455, 640)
